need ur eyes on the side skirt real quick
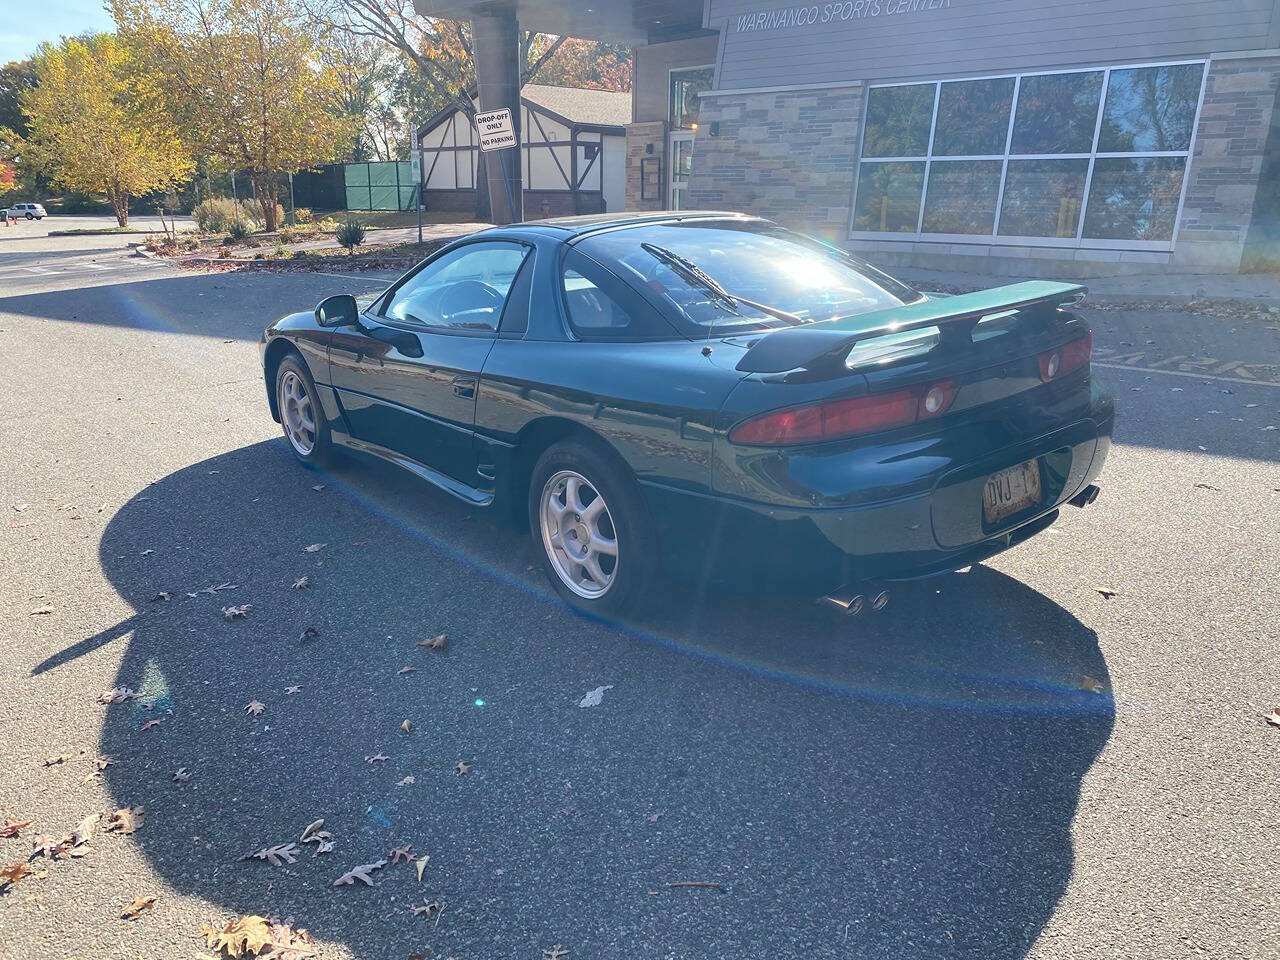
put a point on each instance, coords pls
(467, 494)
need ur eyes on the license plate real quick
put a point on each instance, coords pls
(1011, 490)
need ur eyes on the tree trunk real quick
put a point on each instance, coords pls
(266, 190)
(120, 205)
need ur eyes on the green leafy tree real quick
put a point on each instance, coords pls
(246, 85)
(94, 123)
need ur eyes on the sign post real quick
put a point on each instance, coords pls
(497, 133)
(415, 165)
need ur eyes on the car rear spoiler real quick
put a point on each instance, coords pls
(797, 348)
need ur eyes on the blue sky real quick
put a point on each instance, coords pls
(26, 25)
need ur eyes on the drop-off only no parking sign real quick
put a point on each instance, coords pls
(496, 132)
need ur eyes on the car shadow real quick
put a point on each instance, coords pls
(898, 786)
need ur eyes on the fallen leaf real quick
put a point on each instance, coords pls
(1205, 486)
(152, 723)
(41, 611)
(238, 937)
(462, 768)
(146, 553)
(11, 827)
(318, 487)
(311, 831)
(134, 910)
(126, 819)
(84, 830)
(307, 634)
(594, 697)
(118, 695)
(407, 726)
(403, 670)
(405, 782)
(54, 761)
(181, 775)
(421, 864)
(376, 758)
(43, 845)
(397, 854)
(1107, 594)
(324, 846)
(19, 507)
(554, 953)
(435, 643)
(1092, 684)
(314, 548)
(361, 873)
(163, 595)
(275, 855)
(102, 762)
(430, 909)
(302, 583)
(1274, 717)
(13, 873)
(292, 690)
(655, 817)
(237, 612)
(254, 707)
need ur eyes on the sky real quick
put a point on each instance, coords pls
(24, 26)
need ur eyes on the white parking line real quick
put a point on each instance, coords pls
(41, 270)
(352, 276)
(1188, 373)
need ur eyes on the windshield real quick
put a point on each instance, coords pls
(787, 272)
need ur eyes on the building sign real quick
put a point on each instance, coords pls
(496, 132)
(819, 13)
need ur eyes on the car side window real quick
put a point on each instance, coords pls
(462, 292)
(602, 307)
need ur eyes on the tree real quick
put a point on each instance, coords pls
(246, 84)
(94, 123)
(16, 78)
(366, 74)
(589, 64)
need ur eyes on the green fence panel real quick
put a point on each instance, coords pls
(386, 185)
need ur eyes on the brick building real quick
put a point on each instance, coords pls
(1073, 139)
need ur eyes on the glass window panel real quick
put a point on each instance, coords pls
(898, 121)
(973, 118)
(1057, 113)
(1134, 198)
(1042, 198)
(1150, 109)
(889, 197)
(683, 101)
(962, 196)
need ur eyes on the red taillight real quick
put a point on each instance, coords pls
(1065, 359)
(845, 418)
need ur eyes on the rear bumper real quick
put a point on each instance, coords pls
(929, 523)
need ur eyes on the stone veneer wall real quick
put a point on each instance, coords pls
(1240, 95)
(640, 137)
(787, 156)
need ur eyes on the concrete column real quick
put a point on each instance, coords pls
(495, 38)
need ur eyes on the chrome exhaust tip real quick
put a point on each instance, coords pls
(845, 601)
(1086, 496)
(880, 600)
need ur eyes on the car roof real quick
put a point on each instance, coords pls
(572, 228)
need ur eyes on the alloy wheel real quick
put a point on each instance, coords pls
(297, 413)
(578, 534)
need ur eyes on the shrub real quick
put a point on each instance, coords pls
(302, 215)
(351, 235)
(238, 230)
(224, 252)
(218, 213)
(282, 251)
(328, 225)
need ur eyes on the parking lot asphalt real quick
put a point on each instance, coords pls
(1061, 753)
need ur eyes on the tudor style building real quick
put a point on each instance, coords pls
(1073, 139)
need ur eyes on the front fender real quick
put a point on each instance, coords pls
(295, 333)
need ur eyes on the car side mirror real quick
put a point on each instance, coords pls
(339, 310)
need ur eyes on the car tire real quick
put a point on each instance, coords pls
(301, 417)
(31, 216)
(573, 537)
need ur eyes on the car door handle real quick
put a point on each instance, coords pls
(464, 387)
